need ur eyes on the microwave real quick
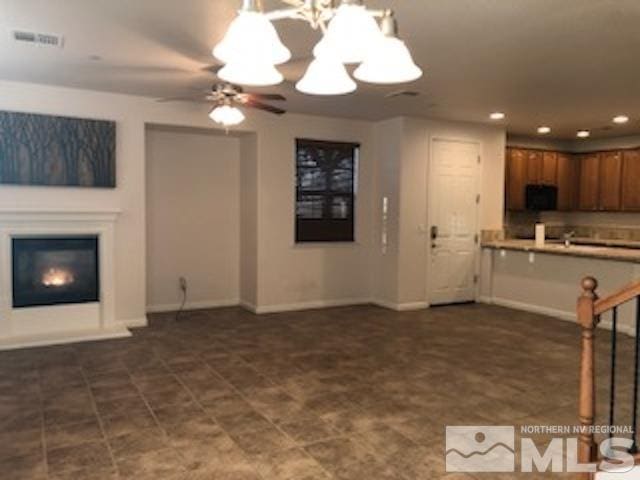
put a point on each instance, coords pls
(541, 197)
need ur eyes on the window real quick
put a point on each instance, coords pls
(325, 190)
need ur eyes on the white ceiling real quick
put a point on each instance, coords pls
(566, 63)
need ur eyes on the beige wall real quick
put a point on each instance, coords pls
(388, 148)
(412, 162)
(309, 275)
(276, 274)
(280, 274)
(550, 284)
(249, 221)
(193, 226)
(128, 197)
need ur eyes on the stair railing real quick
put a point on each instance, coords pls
(590, 310)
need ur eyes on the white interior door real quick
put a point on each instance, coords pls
(453, 217)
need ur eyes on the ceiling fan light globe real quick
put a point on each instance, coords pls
(227, 115)
(251, 36)
(253, 74)
(326, 77)
(350, 35)
(390, 62)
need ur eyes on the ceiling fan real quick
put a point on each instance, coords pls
(226, 98)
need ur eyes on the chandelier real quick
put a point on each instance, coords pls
(352, 34)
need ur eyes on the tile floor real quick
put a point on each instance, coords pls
(349, 393)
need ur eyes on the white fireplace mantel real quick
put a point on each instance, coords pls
(60, 323)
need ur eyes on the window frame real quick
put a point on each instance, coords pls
(326, 229)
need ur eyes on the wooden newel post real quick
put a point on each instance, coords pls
(587, 452)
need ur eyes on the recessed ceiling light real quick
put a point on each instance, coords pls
(497, 116)
(620, 119)
(583, 134)
(544, 130)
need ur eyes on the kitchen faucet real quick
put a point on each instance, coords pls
(567, 238)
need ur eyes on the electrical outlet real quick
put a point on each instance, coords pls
(183, 284)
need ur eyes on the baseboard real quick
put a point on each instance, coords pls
(135, 322)
(289, 307)
(552, 312)
(248, 306)
(527, 307)
(313, 305)
(62, 338)
(200, 305)
(401, 307)
(626, 329)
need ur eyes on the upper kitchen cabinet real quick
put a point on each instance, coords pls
(534, 166)
(631, 180)
(593, 182)
(528, 167)
(542, 167)
(549, 170)
(600, 181)
(610, 195)
(516, 176)
(589, 187)
(568, 173)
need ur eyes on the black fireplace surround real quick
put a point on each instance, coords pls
(55, 271)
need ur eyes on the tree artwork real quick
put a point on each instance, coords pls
(57, 151)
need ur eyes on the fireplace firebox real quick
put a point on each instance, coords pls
(55, 271)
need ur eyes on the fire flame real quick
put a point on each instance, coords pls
(55, 277)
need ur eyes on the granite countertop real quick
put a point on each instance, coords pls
(620, 251)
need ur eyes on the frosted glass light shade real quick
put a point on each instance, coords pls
(252, 36)
(390, 62)
(350, 36)
(227, 115)
(254, 74)
(326, 76)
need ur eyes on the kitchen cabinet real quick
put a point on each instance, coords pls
(589, 185)
(516, 175)
(528, 167)
(568, 173)
(542, 167)
(593, 182)
(549, 170)
(610, 191)
(534, 166)
(631, 180)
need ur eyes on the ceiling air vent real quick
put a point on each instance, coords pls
(35, 38)
(402, 93)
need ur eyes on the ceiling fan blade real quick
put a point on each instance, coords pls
(265, 96)
(186, 98)
(212, 69)
(262, 106)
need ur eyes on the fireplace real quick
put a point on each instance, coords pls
(55, 270)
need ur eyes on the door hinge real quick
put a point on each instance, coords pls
(476, 238)
(475, 278)
(479, 159)
(478, 198)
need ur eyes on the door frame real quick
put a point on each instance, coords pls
(429, 197)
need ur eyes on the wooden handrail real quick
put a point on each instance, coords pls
(588, 321)
(625, 294)
(589, 310)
